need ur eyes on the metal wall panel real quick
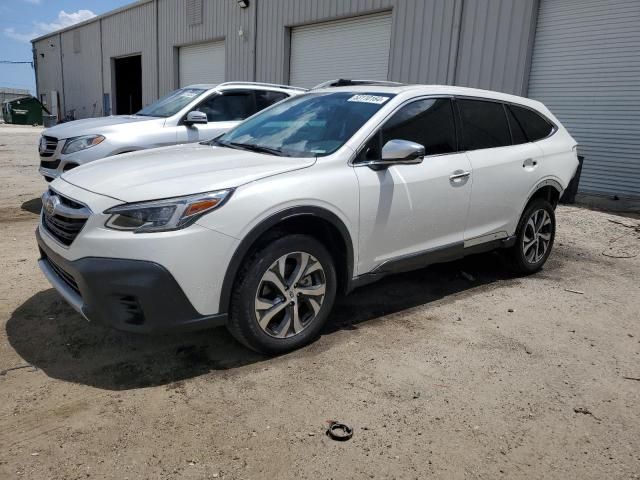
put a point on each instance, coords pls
(421, 34)
(221, 20)
(482, 43)
(585, 68)
(318, 51)
(81, 54)
(495, 43)
(49, 68)
(201, 63)
(131, 31)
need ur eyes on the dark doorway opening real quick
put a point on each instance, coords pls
(128, 84)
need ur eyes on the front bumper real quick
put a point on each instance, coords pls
(131, 295)
(49, 173)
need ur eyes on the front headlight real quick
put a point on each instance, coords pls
(163, 215)
(76, 144)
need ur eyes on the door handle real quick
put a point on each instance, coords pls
(459, 174)
(529, 162)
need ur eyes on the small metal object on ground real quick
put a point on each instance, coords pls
(574, 291)
(339, 431)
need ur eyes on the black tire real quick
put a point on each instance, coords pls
(521, 260)
(243, 319)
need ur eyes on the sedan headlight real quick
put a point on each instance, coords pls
(76, 144)
(163, 215)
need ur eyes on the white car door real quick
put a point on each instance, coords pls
(224, 111)
(504, 169)
(414, 213)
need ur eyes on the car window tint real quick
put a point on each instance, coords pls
(484, 124)
(535, 126)
(228, 107)
(517, 133)
(428, 122)
(266, 98)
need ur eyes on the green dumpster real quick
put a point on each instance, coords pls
(23, 111)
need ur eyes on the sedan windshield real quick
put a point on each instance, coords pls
(172, 103)
(315, 124)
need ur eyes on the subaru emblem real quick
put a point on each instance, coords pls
(50, 204)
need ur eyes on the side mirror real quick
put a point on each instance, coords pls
(194, 117)
(402, 151)
(399, 152)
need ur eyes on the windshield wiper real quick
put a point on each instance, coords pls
(256, 148)
(252, 147)
(214, 141)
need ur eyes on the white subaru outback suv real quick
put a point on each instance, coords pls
(260, 228)
(187, 115)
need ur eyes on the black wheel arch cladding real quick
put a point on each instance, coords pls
(310, 213)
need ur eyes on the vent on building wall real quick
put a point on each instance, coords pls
(194, 12)
(76, 41)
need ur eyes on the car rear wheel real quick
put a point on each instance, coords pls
(535, 236)
(283, 295)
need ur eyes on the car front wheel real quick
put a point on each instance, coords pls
(283, 295)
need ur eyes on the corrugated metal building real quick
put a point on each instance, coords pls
(578, 56)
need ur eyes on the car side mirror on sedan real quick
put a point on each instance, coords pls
(195, 117)
(399, 152)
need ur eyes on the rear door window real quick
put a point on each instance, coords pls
(484, 124)
(229, 106)
(535, 126)
(266, 98)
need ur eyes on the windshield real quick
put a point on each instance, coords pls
(315, 124)
(172, 103)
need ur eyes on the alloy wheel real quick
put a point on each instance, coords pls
(537, 236)
(290, 295)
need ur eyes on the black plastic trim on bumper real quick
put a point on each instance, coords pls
(131, 295)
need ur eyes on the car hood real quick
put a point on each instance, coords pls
(99, 125)
(177, 170)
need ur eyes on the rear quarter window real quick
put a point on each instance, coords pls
(535, 126)
(484, 124)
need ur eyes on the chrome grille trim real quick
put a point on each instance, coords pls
(62, 217)
(47, 146)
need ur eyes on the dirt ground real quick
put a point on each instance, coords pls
(441, 374)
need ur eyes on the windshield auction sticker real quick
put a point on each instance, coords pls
(368, 99)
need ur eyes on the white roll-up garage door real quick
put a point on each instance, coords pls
(586, 69)
(202, 63)
(352, 48)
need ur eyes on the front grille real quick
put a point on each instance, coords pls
(50, 163)
(65, 276)
(48, 146)
(64, 229)
(62, 217)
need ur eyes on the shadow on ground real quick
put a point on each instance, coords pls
(51, 336)
(32, 206)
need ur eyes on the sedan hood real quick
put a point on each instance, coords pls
(177, 170)
(98, 125)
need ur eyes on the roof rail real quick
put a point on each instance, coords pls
(289, 87)
(345, 82)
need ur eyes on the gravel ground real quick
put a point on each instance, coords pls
(441, 374)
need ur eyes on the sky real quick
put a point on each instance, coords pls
(22, 20)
